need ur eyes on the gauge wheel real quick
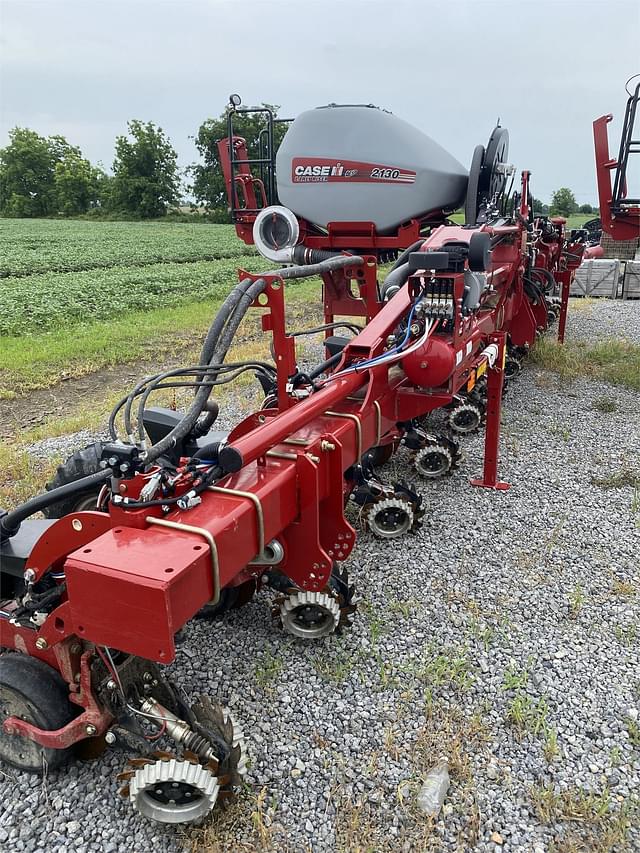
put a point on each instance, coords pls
(35, 692)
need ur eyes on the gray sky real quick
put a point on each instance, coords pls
(81, 68)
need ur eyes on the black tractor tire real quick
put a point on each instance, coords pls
(79, 464)
(31, 689)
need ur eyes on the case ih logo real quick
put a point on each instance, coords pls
(316, 170)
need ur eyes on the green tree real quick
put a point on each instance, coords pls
(76, 184)
(586, 208)
(27, 175)
(40, 176)
(207, 180)
(563, 202)
(145, 171)
(539, 207)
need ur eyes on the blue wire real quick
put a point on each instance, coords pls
(372, 361)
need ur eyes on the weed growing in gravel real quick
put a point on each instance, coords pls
(577, 599)
(405, 608)
(563, 431)
(596, 824)
(526, 715)
(618, 479)
(448, 731)
(268, 667)
(633, 730)
(623, 588)
(242, 826)
(451, 668)
(626, 635)
(483, 633)
(605, 405)
(334, 667)
(615, 756)
(550, 747)
(514, 678)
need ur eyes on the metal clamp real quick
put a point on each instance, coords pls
(198, 531)
(376, 405)
(356, 420)
(255, 500)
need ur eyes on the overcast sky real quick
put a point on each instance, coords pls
(81, 68)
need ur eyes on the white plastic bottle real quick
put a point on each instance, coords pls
(434, 789)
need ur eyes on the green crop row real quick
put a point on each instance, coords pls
(39, 303)
(29, 246)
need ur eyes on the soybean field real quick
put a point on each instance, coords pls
(55, 274)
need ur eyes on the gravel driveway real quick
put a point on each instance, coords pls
(504, 634)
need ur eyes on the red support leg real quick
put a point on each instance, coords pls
(495, 381)
(565, 278)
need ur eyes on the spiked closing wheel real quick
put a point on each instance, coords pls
(433, 460)
(465, 418)
(390, 517)
(171, 789)
(512, 367)
(311, 615)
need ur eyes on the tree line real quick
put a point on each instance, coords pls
(47, 176)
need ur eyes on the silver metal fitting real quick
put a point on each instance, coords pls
(176, 728)
(272, 555)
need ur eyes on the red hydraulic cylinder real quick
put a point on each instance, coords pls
(495, 382)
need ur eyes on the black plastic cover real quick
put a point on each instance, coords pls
(428, 261)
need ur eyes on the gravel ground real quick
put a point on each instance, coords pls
(503, 634)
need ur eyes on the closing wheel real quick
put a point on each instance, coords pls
(183, 789)
(309, 615)
(390, 518)
(33, 691)
(465, 419)
(432, 461)
(174, 791)
(512, 367)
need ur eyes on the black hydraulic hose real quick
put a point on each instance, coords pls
(10, 523)
(322, 368)
(206, 355)
(209, 377)
(395, 279)
(301, 255)
(403, 257)
(224, 312)
(546, 274)
(251, 293)
(533, 291)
